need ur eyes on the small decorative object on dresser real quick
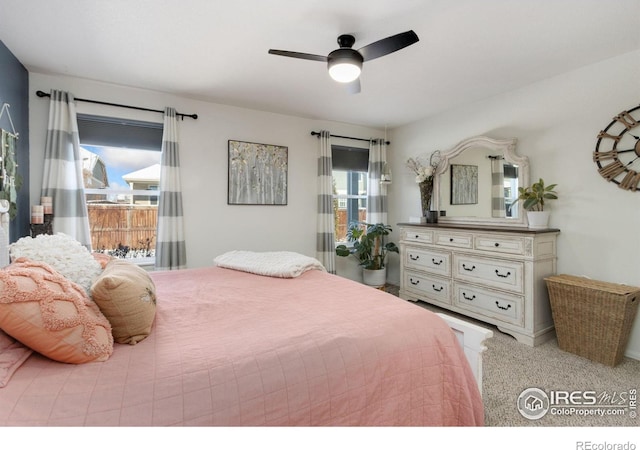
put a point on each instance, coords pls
(493, 274)
(533, 198)
(425, 168)
(368, 246)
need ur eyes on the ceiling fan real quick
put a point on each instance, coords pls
(345, 63)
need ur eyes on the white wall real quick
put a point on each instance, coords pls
(556, 122)
(212, 226)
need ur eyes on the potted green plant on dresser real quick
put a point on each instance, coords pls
(533, 200)
(368, 246)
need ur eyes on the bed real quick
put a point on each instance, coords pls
(228, 347)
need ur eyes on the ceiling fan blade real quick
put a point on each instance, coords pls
(353, 87)
(298, 55)
(388, 45)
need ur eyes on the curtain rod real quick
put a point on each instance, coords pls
(317, 133)
(182, 116)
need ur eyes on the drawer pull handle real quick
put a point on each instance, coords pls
(437, 263)
(503, 276)
(415, 283)
(467, 268)
(414, 258)
(497, 244)
(450, 239)
(464, 294)
(503, 307)
(436, 289)
(417, 236)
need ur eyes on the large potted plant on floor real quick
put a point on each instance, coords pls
(533, 200)
(367, 244)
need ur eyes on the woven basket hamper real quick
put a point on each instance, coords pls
(592, 318)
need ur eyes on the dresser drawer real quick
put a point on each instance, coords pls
(428, 260)
(499, 244)
(490, 272)
(507, 308)
(415, 235)
(426, 286)
(457, 240)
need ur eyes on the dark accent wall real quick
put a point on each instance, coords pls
(14, 89)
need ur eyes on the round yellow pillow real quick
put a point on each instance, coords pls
(126, 295)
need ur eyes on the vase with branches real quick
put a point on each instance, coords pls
(424, 169)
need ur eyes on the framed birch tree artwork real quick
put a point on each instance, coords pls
(464, 184)
(257, 174)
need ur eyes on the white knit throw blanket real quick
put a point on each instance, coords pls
(280, 264)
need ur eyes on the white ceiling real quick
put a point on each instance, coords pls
(217, 51)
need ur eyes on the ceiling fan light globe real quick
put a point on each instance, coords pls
(344, 64)
(344, 72)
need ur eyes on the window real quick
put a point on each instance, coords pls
(350, 178)
(121, 169)
(511, 190)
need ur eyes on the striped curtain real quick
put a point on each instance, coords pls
(62, 179)
(497, 188)
(170, 244)
(376, 192)
(325, 238)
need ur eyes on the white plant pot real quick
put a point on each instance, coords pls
(375, 278)
(538, 219)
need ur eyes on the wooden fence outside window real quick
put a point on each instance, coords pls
(116, 226)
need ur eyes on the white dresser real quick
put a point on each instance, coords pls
(493, 274)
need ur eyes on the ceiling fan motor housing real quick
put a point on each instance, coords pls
(346, 40)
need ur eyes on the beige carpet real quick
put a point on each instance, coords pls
(511, 367)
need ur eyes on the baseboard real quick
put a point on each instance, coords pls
(632, 355)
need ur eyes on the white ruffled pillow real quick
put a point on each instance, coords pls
(64, 254)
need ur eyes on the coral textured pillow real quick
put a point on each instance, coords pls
(126, 295)
(50, 314)
(63, 253)
(12, 355)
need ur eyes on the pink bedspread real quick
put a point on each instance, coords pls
(230, 348)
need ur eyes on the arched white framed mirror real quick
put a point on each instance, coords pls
(477, 181)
